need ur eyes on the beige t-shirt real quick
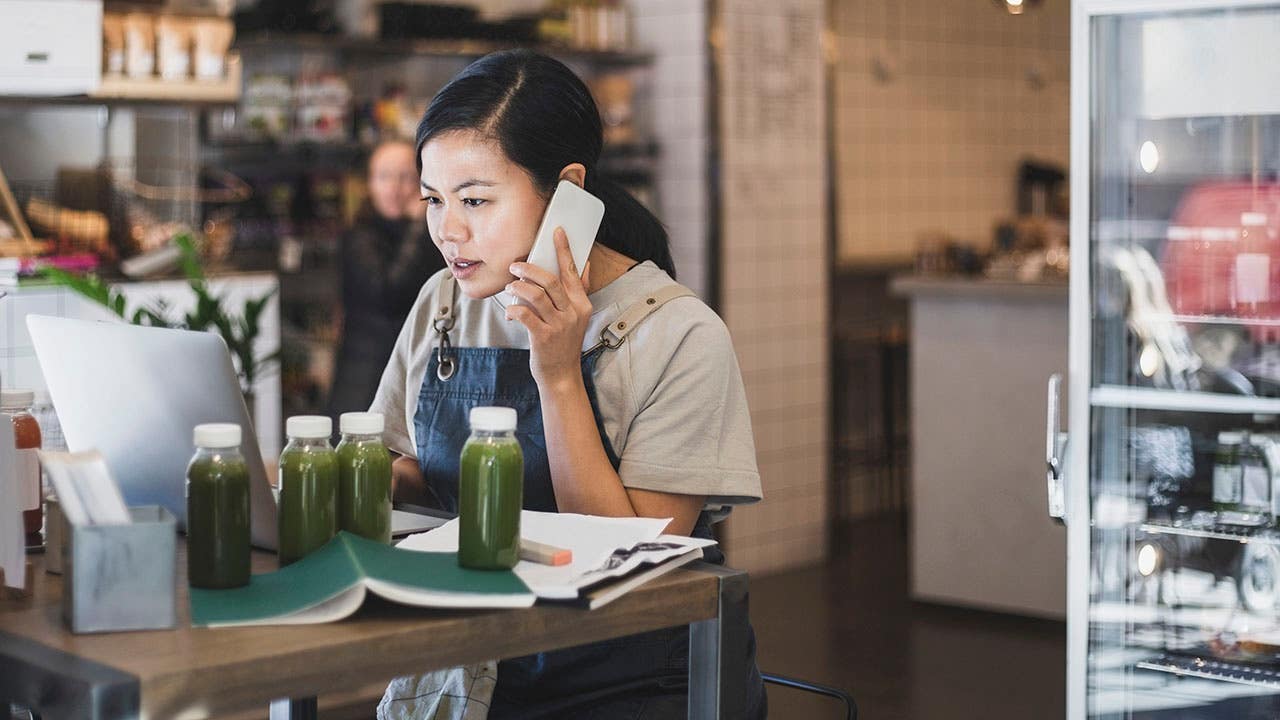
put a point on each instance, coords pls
(671, 397)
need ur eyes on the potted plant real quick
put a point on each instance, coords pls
(209, 315)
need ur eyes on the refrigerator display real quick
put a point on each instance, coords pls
(1169, 476)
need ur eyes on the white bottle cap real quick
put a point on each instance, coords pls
(14, 399)
(493, 419)
(360, 423)
(309, 426)
(217, 435)
(1230, 437)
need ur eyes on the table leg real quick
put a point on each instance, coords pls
(294, 709)
(59, 684)
(718, 660)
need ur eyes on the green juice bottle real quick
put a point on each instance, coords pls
(308, 512)
(217, 509)
(490, 491)
(364, 477)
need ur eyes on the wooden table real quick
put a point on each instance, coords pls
(200, 672)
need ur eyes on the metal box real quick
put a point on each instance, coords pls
(122, 577)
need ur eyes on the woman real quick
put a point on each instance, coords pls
(386, 257)
(628, 392)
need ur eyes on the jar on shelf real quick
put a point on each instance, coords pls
(1241, 480)
(1227, 476)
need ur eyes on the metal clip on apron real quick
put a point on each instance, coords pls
(460, 378)
(442, 322)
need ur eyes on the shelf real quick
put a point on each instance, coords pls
(154, 90)
(1221, 320)
(645, 150)
(438, 48)
(1210, 669)
(1115, 396)
(1216, 531)
(219, 92)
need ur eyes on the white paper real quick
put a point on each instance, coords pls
(26, 476)
(591, 539)
(86, 490)
(13, 541)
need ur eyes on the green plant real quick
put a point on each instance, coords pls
(238, 331)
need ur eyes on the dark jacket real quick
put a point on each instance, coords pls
(384, 264)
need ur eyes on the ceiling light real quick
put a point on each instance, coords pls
(1016, 7)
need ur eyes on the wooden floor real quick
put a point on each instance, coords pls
(850, 624)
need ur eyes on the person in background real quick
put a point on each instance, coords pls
(386, 256)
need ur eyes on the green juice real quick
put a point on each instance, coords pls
(217, 520)
(364, 487)
(490, 495)
(308, 510)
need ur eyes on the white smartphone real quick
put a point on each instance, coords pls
(579, 213)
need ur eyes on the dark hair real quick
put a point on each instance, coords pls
(544, 118)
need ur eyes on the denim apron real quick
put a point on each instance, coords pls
(620, 677)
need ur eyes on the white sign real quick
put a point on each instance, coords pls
(13, 541)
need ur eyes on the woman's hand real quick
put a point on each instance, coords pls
(555, 309)
(407, 484)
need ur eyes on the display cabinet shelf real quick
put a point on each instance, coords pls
(1137, 398)
(1210, 669)
(1215, 531)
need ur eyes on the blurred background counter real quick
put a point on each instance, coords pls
(981, 351)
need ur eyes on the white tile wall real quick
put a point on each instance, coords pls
(774, 269)
(675, 31)
(18, 365)
(936, 103)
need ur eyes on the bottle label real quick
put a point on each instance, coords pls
(27, 475)
(1256, 486)
(1253, 273)
(1227, 484)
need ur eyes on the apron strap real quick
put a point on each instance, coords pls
(443, 315)
(444, 312)
(616, 332)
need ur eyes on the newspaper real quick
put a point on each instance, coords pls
(604, 548)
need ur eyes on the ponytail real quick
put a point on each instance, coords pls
(628, 227)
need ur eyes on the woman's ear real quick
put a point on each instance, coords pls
(575, 173)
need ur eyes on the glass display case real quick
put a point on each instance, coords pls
(1172, 481)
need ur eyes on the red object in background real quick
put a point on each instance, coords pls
(1204, 246)
(75, 262)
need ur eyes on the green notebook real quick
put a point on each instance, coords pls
(330, 584)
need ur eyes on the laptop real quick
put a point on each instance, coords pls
(136, 393)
